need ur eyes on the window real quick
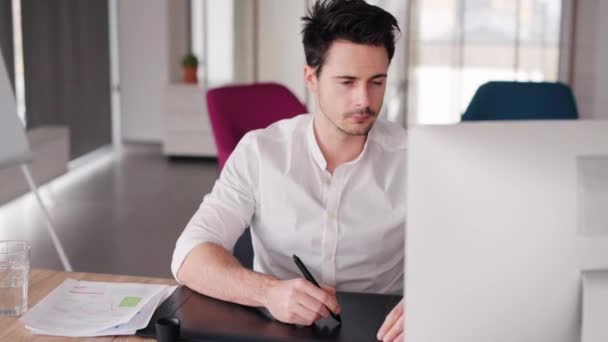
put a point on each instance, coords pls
(212, 40)
(457, 45)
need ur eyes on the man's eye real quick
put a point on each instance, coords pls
(347, 82)
(377, 83)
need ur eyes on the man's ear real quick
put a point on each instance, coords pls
(310, 77)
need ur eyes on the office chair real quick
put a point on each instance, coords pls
(238, 109)
(521, 101)
(15, 150)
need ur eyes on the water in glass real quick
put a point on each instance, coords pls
(14, 273)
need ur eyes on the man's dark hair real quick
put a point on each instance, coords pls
(351, 20)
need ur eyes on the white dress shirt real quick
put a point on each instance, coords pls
(348, 228)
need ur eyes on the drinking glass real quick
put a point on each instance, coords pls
(14, 274)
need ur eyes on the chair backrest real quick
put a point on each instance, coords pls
(521, 101)
(14, 148)
(236, 110)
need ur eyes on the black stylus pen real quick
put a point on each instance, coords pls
(310, 278)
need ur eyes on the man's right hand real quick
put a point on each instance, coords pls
(299, 301)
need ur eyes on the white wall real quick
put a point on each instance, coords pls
(244, 49)
(280, 53)
(224, 37)
(600, 109)
(145, 55)
(220, 42)
(178, 28)
(143, 61)
(590, 64)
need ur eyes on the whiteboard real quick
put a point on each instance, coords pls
(14, 148)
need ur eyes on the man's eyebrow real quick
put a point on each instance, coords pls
(347, 77)
(378, 76)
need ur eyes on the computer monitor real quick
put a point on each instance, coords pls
(502, 219)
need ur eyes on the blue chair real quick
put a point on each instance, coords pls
(521, 101)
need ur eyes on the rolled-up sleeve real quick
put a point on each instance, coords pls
(228, 209)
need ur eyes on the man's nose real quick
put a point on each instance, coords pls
(362, 97)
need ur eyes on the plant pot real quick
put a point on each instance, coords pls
(190, 75)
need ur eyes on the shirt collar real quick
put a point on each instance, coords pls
(316, 151)
(314, 146)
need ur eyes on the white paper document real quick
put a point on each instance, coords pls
(84, 308)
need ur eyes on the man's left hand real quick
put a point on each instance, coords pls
(392, 328)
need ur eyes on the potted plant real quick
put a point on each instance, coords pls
(190, 65)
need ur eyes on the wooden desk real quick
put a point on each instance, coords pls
(42, 282)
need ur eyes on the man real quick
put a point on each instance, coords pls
(328, 187)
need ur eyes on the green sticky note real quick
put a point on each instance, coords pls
(129, 302)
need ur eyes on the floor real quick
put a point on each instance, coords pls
(120, 214)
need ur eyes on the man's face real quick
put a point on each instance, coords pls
(350, 89)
